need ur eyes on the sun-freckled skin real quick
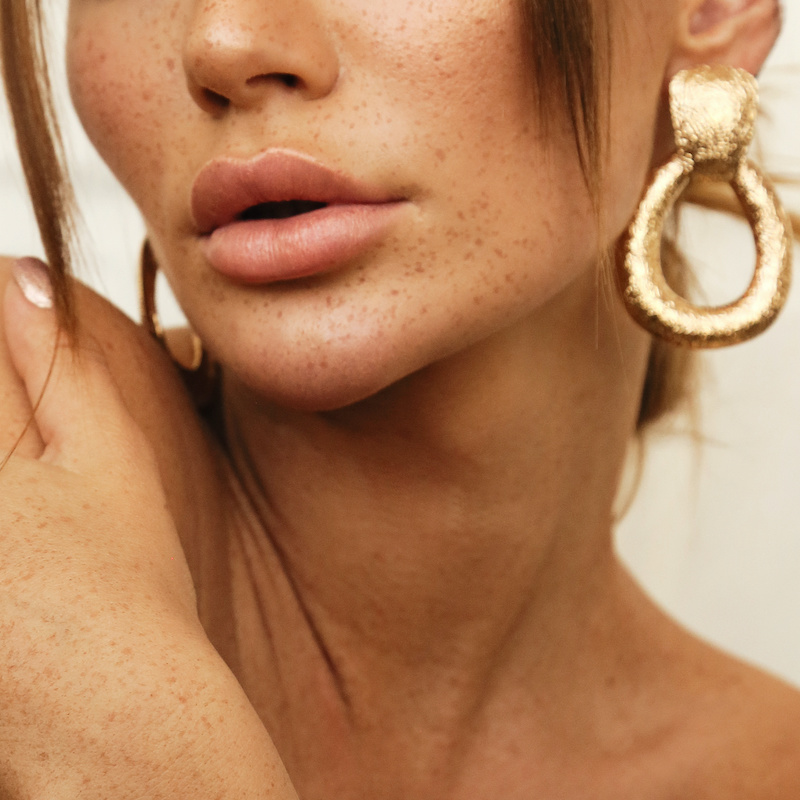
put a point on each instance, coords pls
(428, 101)
(417, 589)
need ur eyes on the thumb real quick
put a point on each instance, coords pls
(78, 411)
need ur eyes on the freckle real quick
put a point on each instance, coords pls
(440, 154)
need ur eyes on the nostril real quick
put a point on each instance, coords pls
(288, 80)
(215, 99)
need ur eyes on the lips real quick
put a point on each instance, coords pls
(282, 216)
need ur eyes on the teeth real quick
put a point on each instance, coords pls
(280, 210)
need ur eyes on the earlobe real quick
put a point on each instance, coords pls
(737, 33)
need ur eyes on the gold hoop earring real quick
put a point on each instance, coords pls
(200, 376)
(713, 114)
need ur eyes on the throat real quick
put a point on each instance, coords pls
(427, 564)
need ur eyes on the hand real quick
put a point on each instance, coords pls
(108, 686)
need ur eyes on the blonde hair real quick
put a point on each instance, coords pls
(27, 85)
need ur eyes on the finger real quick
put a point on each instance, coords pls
(78, 411)
(18, 431)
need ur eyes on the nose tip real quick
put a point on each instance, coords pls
(237, 51)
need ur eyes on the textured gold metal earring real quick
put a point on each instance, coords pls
(200, 376)
(713, 114)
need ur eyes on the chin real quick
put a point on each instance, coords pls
(315, 386)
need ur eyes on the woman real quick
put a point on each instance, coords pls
(382, 566)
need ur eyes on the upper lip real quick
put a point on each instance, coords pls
(227, 187)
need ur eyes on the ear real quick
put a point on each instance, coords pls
(737, 33)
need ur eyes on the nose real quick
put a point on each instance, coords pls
(236, 51)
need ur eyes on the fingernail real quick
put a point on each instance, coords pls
(32, 277)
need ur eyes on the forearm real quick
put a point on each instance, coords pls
(156, 714)
(109, 687)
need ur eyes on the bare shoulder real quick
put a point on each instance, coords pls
(745, 735)
(767, 745)
(721, 729)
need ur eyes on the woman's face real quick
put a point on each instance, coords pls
(453, 213)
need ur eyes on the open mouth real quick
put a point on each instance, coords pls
(280, 210)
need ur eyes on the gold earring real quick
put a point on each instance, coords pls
(200, 376)
(713, 114)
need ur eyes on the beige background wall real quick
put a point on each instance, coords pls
(714, 532)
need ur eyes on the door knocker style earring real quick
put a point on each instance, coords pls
(200, 376)
(713, 114)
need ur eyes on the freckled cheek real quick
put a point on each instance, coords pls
(118, 100)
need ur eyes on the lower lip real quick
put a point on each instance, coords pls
(268, 250)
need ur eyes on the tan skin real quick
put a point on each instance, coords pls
(408, 572)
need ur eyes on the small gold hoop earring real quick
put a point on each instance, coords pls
(713, 114)
(200, 375)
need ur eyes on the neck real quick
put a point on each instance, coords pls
(461, 512)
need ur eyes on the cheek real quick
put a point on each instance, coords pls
(456, 74)
(116, 74)
(452, 89)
